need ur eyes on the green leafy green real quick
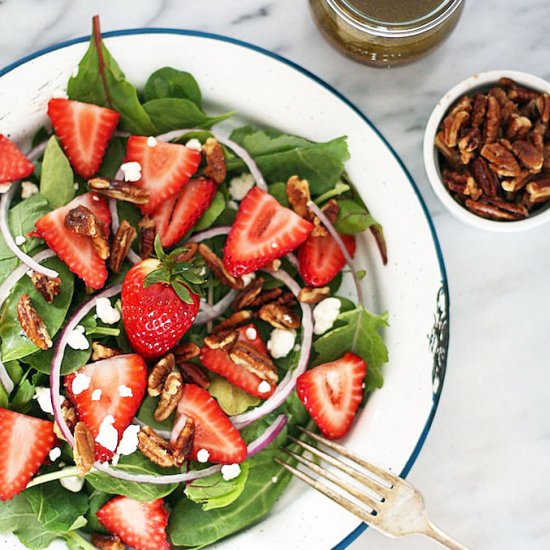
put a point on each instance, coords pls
(146, 414)
(215, 492)
(212, 213)
(73, 359)
(231, 399)
(278, 190)
(352, 217)
(56, 177)
(114, 156)
(96, 499)
(169, 82)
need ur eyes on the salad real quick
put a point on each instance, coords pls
(170, 312)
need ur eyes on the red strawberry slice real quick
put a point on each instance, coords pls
(263, 231)
(141, 525)
(320, 259)
(84, 131)
(75, 250)
(331, 393)
(14, 164)
(165, 168)
(26, 441)
(112, 376)
(218, 361)
(213, 429)
(178, 214)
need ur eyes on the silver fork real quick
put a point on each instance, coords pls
(391, 504)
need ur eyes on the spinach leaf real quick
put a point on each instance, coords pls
(169, 82)
(22, 396)
(15, 343)
(146, 414)
(96, 500)
(173, 113)
(267, 141)
(212, 213)
(114, 156)
(231, 399)
(56, 177)
(369, 344)
(215, 492)
(135, 463)
(278, 190)
(73, 359)
(352, 217)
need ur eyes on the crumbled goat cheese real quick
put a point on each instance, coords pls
(125, 391)
(19, 240)
(106, 312)
(194, 144)
(297, 347)
(264, 387)
(275, 265)
(230, 471)
(81, 382)
(230, 204)
(281, 342)
(55, 453)
(75, 185)
(131, 171)
(28, 189)
(202, 456)
(108, 435)
(73, 484)
(247, 278)
(44, 399)
(325, 314)
(240, 186)
(251, 333)
(77, 339)
(151, 141)
(129, 441)
(96, 395)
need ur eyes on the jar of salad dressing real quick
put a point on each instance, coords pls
(385, 33)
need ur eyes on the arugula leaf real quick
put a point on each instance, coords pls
(56, 177)
(217, 206)
(15, 343)
(352, 217)
(369, 344)
(169, 82)
(215, 492)
(231, 399)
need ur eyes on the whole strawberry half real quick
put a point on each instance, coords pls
(159, 302)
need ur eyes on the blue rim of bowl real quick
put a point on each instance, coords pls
(441, 334)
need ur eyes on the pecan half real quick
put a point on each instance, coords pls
(215, 160)
(169, 397)
(122, 241)
(82, 221)
(518, 210)
(107, 542)
(266, 296)
(120, 190)
(279, 316)
(543, 106)
(454, 181)
(450, 154)
(530, 156)
(147, 233)
(183, 447)
(248, 294)
(236, 320)
(192, 374)
(156, 449)
(32, 324)
(502, 161)
(159, 373)
(518, 126)
(485, 177)
(488, 211)
(468, 144)
(330, 209)
(517, 92)
(463, 104)
(221, 339)
(287, 299)
(186, 351)
(479, 110)
(189, 252)
(254, 361)
(539, 191)
(472, 189)
(84, 448)
(492, 120)
(298, 194)
(517, 183)
(452, 125)
(215, 265)
(310, 295)
(49, 287)
(99, 352)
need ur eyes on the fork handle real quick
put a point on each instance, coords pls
(434, 533)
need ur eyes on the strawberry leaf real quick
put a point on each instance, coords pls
(183, 292)
(160, 275)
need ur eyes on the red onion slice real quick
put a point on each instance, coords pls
(36, 152)
(209, 233)
(235, 147)
(209, 313)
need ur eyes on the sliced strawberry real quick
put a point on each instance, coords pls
(77, 251)
(178, 214)
(141, 525)
(218, 361)
(165, 168)
(320, 259)
(110, 376)
(84, 131)
(331, 393)
(213, 429)
(263, 231)
(14, 164)
(26, 441)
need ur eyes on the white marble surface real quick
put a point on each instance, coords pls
(483, 469)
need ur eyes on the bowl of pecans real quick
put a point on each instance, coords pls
(487, 150)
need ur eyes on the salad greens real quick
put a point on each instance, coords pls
(211, 508)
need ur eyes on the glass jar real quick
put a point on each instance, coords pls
(376, 33)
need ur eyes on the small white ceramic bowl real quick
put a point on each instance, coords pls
(431, 161)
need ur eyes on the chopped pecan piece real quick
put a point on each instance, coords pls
(49, 287)
(488, 211)
(169, 397)
(253, 360)
(99, 351)
(147, 233)
(516, 183)
(311, 295)
(186, 351)
(287, 299)
(69, 415)
(298, 194)
(485, 177)
(32, 324)
(279, 316)
(159, 373)
(188, 253)
(518, 126)
(266, 296)
(492, 120)
(531, 157)
(450, 154)
(543, 106)
(120, 190)
(248, 294)
(183, 447)
(472, 189)
(501, 160)
(156, 449)
(517, 92)
(215, 265)
(236, 320)
(468, 144)
(452, 125)
(463, 104)
(122, 241)
(330, 209)
(221, 339)
(107, 542)
(215, 160)
(82, 221)
(479, 110)
(192, 374)
(539, 191)
(84, 448)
